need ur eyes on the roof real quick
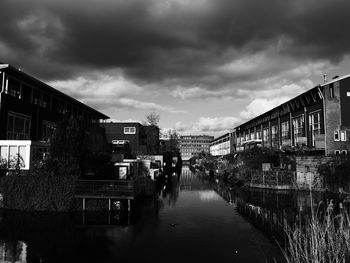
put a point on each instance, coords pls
(19, 71)
(335, 79)
(221, 137)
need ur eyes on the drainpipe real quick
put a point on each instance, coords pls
(2, 87)
(324, 120)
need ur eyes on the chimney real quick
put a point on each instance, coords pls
(324, 78)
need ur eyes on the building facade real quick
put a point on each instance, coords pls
(132, 138)
(316, 121)
(190, 145)
(29, 111)
(223, 145)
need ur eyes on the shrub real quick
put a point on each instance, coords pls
(47, 187)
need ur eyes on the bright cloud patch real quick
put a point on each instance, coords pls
(206, 125)
(109, 91)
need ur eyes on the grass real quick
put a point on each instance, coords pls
(325, 238)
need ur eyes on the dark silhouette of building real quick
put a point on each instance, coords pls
(132, 138)
(29, 111)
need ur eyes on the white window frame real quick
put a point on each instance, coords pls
(336, 152)
(343, 136)
(344, 152)
(266, 135)
(129, 130)
(314, 127)
(285, 129)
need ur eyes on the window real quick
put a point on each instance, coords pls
(18, 127)
(337, 152)
(12, 156)
(266, 135)
(14, 89)
(285, 132)
(129, 130)
(314, 126)
(48, 129)
(274, 135)
(344, 152)
(258, 134)
(298, 128)
(343, 136)
(252, 136)
(331, 91)
(36, 97)
(348, 94)
(336, 136)
(3, 156)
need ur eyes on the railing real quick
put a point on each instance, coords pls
(104, 188)
(273, 177)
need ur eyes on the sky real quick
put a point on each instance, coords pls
(205, 66)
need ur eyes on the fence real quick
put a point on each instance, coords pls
(273, 178)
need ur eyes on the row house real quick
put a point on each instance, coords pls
(317, 120)
(29, 111)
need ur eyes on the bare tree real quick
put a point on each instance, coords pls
(152, 119)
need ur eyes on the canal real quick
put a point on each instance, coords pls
(193, 220)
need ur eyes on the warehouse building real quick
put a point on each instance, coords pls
(316, 121)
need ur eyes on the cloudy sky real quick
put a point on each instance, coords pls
(203, 65)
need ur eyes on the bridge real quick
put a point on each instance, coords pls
(106, 190)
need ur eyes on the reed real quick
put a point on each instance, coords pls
(323, 239)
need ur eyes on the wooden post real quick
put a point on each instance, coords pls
(83, 204)
(263, 176)
(129, 205)
(277, 179)
(109, 205)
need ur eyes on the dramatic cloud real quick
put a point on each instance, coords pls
(127, 57)
(157, 40)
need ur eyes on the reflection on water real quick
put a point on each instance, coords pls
(15, 251)
(193, 220)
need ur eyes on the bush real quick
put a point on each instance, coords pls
(47, 187)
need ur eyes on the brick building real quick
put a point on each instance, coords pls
(317, 121)
(132, 138)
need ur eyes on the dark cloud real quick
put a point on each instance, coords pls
(167, 41)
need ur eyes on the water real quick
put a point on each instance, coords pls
(194, 220)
